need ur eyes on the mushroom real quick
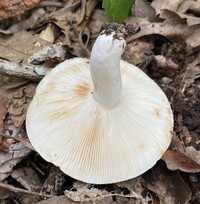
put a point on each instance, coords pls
(97, 126)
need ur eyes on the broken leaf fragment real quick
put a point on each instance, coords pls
(177, 160)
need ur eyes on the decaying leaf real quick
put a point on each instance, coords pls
(143, 10)
(185, 34)
(186, 10)
(137, 190)
(24, 24)
(48, 34)
(20, 46)
(17, 151)
(165, 63)
(85, 192)
(177, 160)
(73, 19)
(54, 182)
(169, 186)
(27, 178)
(193, 153)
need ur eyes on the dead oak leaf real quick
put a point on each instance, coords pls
(184, 9)
(169, 187)
(176, 160)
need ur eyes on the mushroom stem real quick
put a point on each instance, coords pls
(105, 68)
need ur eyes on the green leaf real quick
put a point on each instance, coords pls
(117, 10)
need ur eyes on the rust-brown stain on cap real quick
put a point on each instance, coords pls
(142, 146)
(59, 114)
(157, 111)
(82, 90)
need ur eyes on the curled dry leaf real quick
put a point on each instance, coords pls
(73, 19)
(186, 10)
(13, 8)
(176, 160)
(171, 31)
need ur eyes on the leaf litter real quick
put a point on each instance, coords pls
(163, 41)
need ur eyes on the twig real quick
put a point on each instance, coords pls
(19, 190)
(21, 70)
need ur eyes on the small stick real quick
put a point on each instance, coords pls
(19, 190)
(20, 70)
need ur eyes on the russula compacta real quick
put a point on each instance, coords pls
(101, 120)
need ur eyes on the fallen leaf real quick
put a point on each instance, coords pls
(186, 10)
(86, 192)
(169, 187)
(48, 34)
(73, 21)
(176, 160)
(142, 9)
(58, 200)
(193, 153)
(26, 23)
(17, 151)
(137, 190)
(27, 178)
(20, 46)
(179, 33)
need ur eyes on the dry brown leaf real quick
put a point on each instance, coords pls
(48, 34)
(169, 187)
(86, 192)
(185, 9)
(165, 63)
(193, 153)
(13, 8)
(58, 200)
(188, 35)
(137, 190)
(176, 160)
(142, 9)
(20, 46)
(27, 178)
(17, 151)
(26, 23)
(54, 182)
(73, 19)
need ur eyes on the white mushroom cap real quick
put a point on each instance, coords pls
(91, 143)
